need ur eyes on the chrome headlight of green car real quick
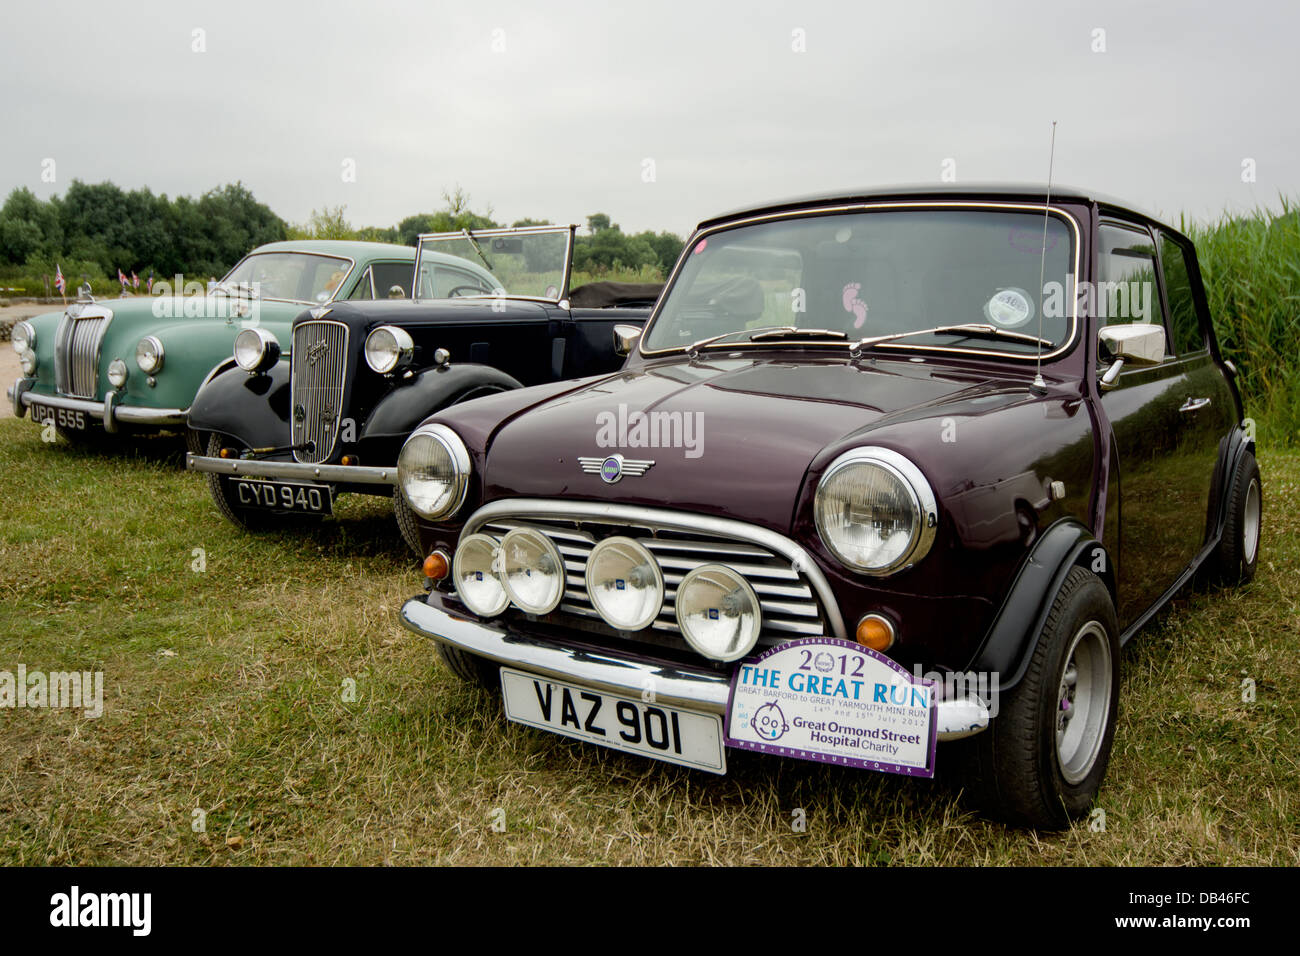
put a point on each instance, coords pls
(149, 355)
(23, 337)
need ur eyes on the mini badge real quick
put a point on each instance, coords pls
(615, 467)
(835, 702)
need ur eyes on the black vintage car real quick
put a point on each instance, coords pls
(885, 469)
(491, 312)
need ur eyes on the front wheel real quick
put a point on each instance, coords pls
(1042, 760)
(223, 495)
(470, 667)
(406, 523)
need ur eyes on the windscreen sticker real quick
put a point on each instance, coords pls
(835, 702)
(1009, 308)
(849, 296)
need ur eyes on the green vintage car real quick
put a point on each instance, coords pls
(134, 364)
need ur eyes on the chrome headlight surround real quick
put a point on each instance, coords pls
(474, 575)
(445, 459)
(909, 483)
(635, 572)
(149, 355)
(22, 337)
(526, 552)
(27, 359)
(118, 373)
(740, 607)
(388, 348)
(256, 349)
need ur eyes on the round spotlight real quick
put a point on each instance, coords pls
(474, 573)
(625, 584)
(117, 373)
(718, 612)
(256, 350)
(27, 359)
(387, 348)
(149, 355)
(532, 571)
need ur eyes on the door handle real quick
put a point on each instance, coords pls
(1194, 404)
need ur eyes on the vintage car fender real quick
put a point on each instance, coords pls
(1015, 630)
(1235, 445)
(399, 412)
(234, 402)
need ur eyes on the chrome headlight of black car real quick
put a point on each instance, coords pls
(149, 354)
(875, 511)
(256, 350)
(23, 337)
(433, 471)
(388, 348)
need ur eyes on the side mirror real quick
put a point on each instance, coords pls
(1137, 344)
(625, 337)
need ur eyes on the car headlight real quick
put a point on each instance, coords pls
(625, 584)
(149, 354)
(532, 571)
(117, 373)
(256, 350)
(474, 574)
(388, 347)
(875, 511)
(718, 612)
(433, 471)
(23, 337)
(27, 359)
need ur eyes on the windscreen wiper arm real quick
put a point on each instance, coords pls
(769, 333)
(478, 250)
(967, 330)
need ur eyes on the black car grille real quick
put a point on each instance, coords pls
(791, 608)
(318, 366)
(76, 352)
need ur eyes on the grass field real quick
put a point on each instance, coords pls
(224, 693)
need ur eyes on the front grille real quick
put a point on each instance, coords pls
(76, 352)
(791, 609)
(318, 364)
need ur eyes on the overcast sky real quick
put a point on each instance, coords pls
(556, 110)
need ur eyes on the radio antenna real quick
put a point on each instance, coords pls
(1039, 386)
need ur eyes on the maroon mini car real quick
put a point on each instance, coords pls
(884, 470)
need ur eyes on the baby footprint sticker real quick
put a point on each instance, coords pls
(855, 305)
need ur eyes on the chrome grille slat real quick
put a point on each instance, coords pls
(790, 608)
(76, 351)
(317, 364)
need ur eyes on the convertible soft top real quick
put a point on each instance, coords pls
(608, 295)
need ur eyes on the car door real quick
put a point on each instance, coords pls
(1164, 465)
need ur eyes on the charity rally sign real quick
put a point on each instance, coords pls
(836, 702)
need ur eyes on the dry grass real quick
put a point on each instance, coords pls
(224, 693)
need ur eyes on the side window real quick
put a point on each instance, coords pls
(389, 274)
(363, 287)
(1126, 289)
(1184, 323)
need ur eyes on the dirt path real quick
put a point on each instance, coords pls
(9, 367)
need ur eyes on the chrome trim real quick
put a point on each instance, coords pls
(31, 335)
(698, 689)
(130, 414)
(743, 585)
(668, 520)
(15, 394)
(268, 355)
(923, 501)
(493, 233)
(328, 384)
(78, 347)
(405, 348)
(809, 212)
(332, 474)
(647, 559)
(460, 457)
(158, 347)
(352, 265)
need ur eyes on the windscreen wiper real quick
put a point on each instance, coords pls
(967, 330)
(768, 334)
(478, 250)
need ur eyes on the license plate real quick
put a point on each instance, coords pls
(63, 417)
(283, 496)
(624, 723)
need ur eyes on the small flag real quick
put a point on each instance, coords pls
(60, 283)
(149, 285)
(121, 277)
(135, 281)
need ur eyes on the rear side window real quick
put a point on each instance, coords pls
(362, 291)
(389, 274)
(1184, 322)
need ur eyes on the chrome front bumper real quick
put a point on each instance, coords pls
(613, 672)
(108, 411)
(293, 470)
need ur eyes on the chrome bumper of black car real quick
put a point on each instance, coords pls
(613, 672)
(108, 411)
(293, 470)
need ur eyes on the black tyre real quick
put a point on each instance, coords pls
(406, 523)
(470, 667)
(196, 441)
(222, 490)
(1042, 760)
(1233, 562)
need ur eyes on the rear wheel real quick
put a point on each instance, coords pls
(1042, 760)
(1233, 562)
(470, 667)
